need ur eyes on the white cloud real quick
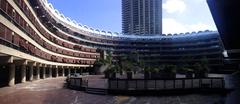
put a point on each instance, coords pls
(200, 1)
(172, 6)
(170, 25)
(200, 26)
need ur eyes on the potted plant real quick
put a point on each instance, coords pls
(129, 74)
(113, 72)
(168, 72)
(154, 73)
(147, 73)
(200, 71)
(99, 63)
(127, 66)
(107, 73)
(102, 64)
(188, 72)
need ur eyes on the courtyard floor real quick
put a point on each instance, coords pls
(52, 91)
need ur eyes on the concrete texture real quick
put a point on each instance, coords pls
(52, 91)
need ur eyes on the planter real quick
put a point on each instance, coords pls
(155, 75)
(113, 75)
(97, 69)
(201, 75)
(147, 75)
(163, 75)
(107, 75)
(129, 75)
(189, 75)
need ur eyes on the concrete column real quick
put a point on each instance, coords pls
(60, 69)
(69, 72)
(31, 65)
(81, 70)
(56, 71)
(31, 72)
(75, 70)
(38, 71)
(23, 65)
(50, 71)
(44, 72)
(11, 67)
(63, 72)
(23, 73)
(8, 60)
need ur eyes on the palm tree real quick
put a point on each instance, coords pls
(103, 65)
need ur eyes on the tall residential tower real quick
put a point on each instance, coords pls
(142, 17)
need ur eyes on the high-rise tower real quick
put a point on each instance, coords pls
(142, 17)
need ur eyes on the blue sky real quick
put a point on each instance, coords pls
(178, 15)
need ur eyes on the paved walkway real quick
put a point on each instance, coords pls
(51, 91)
(233, 82)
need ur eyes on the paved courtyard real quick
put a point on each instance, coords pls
(52, 91)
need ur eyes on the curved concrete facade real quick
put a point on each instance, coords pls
(34, 34)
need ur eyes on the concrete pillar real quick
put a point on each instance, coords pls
(75, 70)
(50, 71)
(81, 70)
(23, 65)
(56, 72)
(69, 72)
(60, 69)
(8, 60)
(31, 65)
(63, 72)
(38, 71)
(11, 67)
(44, 72)
(31, 72)
(23, 73)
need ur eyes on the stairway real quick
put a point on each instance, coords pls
(99, 91)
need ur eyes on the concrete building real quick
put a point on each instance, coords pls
(142, 17)
(37, 42)
(226, 16)
(29, 51)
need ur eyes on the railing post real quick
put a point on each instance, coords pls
(192, 83)
(164, 84)
(109, 84)
(223, 83)
(174, 81)
(75, 82)
(136, 84)
(126, 84)
(211, 86)
(183, 83)
(145, 84)
(87, 83)
(155, 84)
(200, 83)
(117, 83)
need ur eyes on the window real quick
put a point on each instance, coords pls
(2, 31)
(3, 5)
(9, 35)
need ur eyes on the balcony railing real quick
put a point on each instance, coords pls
(166, 84)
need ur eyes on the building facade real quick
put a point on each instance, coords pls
(37, 42)
(226, 17)
(142, 17)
